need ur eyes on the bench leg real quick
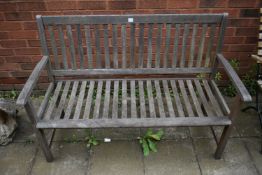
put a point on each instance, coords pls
(44, 145)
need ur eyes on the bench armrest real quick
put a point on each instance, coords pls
(31, 82)
(240, 87)
(257, 58)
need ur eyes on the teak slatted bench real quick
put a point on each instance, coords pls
(131, 71)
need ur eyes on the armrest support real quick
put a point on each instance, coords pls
(31, 82)
(241, 89)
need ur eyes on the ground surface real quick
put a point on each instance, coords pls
(182, 151)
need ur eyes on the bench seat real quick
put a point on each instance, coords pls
(149, 103)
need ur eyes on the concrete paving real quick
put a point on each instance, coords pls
(183, 150)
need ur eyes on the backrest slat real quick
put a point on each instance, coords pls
(98, 47)
(53, 45)
(167, 44)
(149, 54)
(115, 46)
(80, 46)
(210, 44)
(141, 45)
(132, 45)
(88, 47)
(71, 46)
(158, 44)
(63, 47)
(123, 36)
(177, 34)
(192, 48)
(107, 56)
(201, 45)
(185, 35)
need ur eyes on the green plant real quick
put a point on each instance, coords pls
(91, 141)
(218, 76)
(13, 94)
(148, 141)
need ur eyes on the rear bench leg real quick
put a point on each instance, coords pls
(227, 129)
(39, 132)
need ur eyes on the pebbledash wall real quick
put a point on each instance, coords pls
(20, 47)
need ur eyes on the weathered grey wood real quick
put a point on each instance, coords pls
(123, 36)
(149, 50)
(107, 56)
(150, 99)
(176, 41)
(124, 99)
(177, 99)
(158, 45)
(88, 47)
(98, 49)
(39, 132)
(53, 45)
(168, 99)
(71, 100)
(183, 55)
(159, 100)
(107, 99)
(141, 46)
(220, 98)
(62, 103)
(187, 103)
(167, 44)
(192, 48)
(240, 87)
(63, 46)
(133, 99)
(80, 45)
(139, 122)
(98, 99)
(210, 44)
(194, 98)
(45, 101)
(89, 100)
(132, 45)
(49, 113)
(115, 100)
(79, 104)
(142, 100)
(201, 45)
(128, 71)
(71, 46)
(31, 82)
(141, 18)
(115, 46)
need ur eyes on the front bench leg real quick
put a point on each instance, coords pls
(227, 129)
(39, 132)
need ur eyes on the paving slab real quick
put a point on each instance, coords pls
(16, 158)
(117, 133)
(117, 158)
(173, 157)
(65, 135)
(70, 159)
(235, 160)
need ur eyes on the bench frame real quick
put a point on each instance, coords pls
(45, 63)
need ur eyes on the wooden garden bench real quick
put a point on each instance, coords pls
(109, 71)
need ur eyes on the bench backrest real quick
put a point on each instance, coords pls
(172, 43)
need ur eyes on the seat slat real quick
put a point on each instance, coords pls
(62, 104)
(194, 98)
(71, 100)
(98, 99)
(159, 100)
(142, 100)
(89, 100)
(115, 100)
(185, 98)
(71, 46)
(150, 99)
(88, 47)
(79, 104)
(168, 99)
(177, 99)
(124, 99)
(107, 99)
(53, 102)
(133, 99)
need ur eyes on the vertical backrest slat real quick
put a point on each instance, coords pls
(80, 46)
(53, 45)
(88, 47)
(123, 35)
(132, 46)
(201, 45)
(183, 55)
(71, 46)
(192, 48)
(210, 44)
(167, 44)
(176, 41)
(63, 47)
(158, 45)
(115, 46)
(149, 54)
(141, 45)
(107, 57)
(98, 49)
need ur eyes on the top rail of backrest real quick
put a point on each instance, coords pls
(134, 18)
